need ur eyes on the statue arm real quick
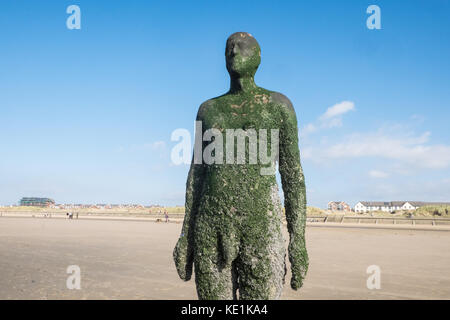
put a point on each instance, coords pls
(183, 253)
(293, 183)
(184, 250)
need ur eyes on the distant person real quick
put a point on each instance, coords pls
(166, 215)
(77, 215)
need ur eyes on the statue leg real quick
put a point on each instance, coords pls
(261, 265)
(214, 279)
(215, 272)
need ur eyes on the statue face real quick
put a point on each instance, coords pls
(243, 55)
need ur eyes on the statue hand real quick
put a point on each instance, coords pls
(298, 257)
(183, 259)
(296, 281)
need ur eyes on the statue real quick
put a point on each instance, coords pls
(232, 229)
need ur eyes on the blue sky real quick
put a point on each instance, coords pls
(86, 115)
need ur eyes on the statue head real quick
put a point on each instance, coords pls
(243, 55)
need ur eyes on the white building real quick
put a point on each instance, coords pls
(338, 206)
(391, 206)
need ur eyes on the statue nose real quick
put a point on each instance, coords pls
(235, 50)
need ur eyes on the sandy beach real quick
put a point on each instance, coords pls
(133, 260)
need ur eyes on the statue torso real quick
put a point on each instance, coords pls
(241, 186)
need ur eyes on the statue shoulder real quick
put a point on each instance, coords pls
(283, 101)
(204, 108)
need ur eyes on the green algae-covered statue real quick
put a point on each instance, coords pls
(232, 230)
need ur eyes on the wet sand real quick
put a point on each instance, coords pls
(133, 260)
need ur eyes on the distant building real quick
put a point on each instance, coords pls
(338, 206)
(36, 202)
(391, 206)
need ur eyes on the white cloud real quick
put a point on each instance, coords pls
(309, 128)
(378, 174)
(338, 109)
(406, 148)
(429, 189)
(158, 145)
(420, 165)
(418, 118)
(332, 118)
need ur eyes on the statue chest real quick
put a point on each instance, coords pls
(242, 116)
